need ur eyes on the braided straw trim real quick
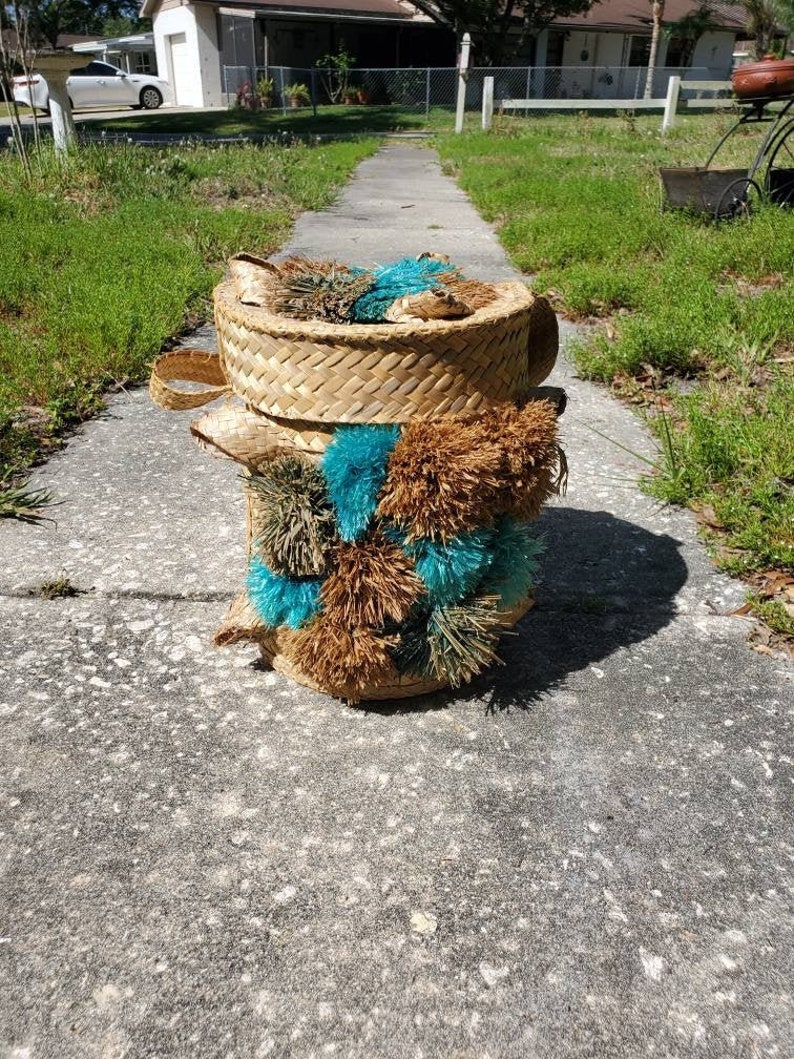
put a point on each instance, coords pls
(311, 439)
(252, 278)
(254, 514)
(429, 305)
(242, 624)
(187, 365)
(393, 686)
(375, 373)
(252, 439)
(237, 434)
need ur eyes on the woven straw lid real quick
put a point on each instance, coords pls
(382, 373)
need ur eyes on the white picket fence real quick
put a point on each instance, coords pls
(668, 104)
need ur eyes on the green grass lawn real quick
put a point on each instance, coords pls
(692, 318)
(108, 255)
(337, 121)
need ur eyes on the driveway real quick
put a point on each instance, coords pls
(86, 117)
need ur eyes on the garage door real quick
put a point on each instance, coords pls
(181, 70)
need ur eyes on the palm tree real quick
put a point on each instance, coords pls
(762, 20)
(656, 33)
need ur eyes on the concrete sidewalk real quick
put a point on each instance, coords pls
(587, 853)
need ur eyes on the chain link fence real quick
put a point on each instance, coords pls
(423, 89)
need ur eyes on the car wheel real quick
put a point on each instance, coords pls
(150, 98)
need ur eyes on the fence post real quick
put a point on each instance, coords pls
(63, 133)
(670, 104)
(427, 93)
(463, 76)
(56, 68)
(281, 90)
(487, 102)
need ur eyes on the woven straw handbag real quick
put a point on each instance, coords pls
(296, 381)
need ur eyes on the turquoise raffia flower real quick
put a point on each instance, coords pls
(282, 600)
(355, 465)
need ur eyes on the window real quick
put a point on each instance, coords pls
(555, 48)
(95, 69)
(639, 51)
(143, 62)
(237, 41)
(679, 52)
(98, 69)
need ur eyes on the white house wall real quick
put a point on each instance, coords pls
(591, 66)
(200, 80)
(208, 55)
(714, 51)
(600, 49)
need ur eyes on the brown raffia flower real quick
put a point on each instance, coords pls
(533, 466)
(343, 660)
(442, 479)
(296, 265)
(473, 292)
(371, 582)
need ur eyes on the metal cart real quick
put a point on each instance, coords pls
(724, 193)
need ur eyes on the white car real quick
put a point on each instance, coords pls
(96, 85)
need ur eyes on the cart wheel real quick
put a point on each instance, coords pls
(780, 146)
(779, 181)
(737, 199)
(780, 187)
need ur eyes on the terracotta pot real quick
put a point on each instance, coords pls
(769, 78)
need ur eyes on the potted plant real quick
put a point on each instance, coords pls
(334, 71)
(297, 95)
(362, 95)
(349, 95)
(246, 98)
(266, 90)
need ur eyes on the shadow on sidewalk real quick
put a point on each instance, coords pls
(606, 584)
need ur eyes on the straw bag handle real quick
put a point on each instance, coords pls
(187, 365)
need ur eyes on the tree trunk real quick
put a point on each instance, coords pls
(656, 33)
(761, 22)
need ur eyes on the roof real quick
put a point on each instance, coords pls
(628, 15)
(624, 16)
(134, 42)
(397, 9)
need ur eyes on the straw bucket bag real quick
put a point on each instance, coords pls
(291, 384)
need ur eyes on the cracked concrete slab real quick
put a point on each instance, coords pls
(206, 861)
(586, 853)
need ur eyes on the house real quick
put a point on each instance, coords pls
(135, 54)
(205, 48)
(615, 35)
